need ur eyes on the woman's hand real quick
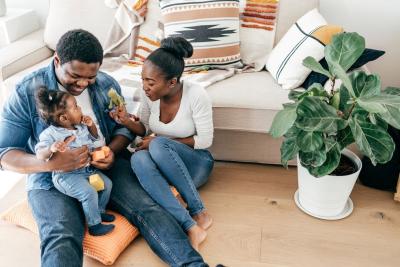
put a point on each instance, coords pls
(120, 115)
(144, 145)
(106, 163)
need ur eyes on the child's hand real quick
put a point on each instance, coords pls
(61, 146)
(87, 120)
(58, 146)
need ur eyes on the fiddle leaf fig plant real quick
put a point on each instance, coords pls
(318, 124)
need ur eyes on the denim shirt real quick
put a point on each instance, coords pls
(54, 133)
(21, 126)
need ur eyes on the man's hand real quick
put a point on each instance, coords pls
(70, 159)
(144, 145)
(104, 164)
(87, 120)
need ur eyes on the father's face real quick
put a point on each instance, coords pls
(75, 75)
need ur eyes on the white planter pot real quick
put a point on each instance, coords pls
(326, 197)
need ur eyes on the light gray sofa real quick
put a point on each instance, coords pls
(244, 105)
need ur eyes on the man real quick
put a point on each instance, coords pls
(60, 219)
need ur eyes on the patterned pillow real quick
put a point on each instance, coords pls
(150, 33)
(212, 27)
(105, 249)
(257, 31)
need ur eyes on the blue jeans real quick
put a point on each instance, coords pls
(61, 222)
(168, 162)
(76, 184)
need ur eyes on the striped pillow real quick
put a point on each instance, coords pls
(150, 33)
(257, 31)
(212, 27)
(285, 62)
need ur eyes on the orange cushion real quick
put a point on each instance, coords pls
(105, 249)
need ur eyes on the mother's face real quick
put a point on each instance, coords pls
(155, 85)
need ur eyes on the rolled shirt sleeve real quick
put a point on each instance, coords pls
(203, 120)
(15, 123)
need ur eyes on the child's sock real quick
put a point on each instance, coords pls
(106, 217)
(100, 229)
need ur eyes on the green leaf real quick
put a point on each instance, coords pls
(330, 141)
(330, 164)
(342, 75)
(365, 85)
(284, 120)
(392, 117)
(379, 103)
(316, 115)
(312, 64)
(387, 107)
(377, 120)
(295, 93)
(345, 137)
(372, 140)
(315, 90)
(341, 54)
(392, 91)
(344, 50)
(289, 148)
(314, 159)
(335, 100)
(344, 106)
(309, 141)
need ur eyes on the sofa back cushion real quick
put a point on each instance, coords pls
(64, 15)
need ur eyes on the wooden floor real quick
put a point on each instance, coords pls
(256, 223)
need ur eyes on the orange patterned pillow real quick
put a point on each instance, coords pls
(105, 249)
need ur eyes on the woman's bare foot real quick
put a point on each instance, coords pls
(196, 236)
(203, 219)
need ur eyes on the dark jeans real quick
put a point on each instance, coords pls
(61, 222)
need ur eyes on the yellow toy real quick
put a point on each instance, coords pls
(96, 181)
(100, 154)
(115, 99)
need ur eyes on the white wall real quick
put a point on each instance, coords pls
(40, 6)
(379, 23)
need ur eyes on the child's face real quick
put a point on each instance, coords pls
(74, 112)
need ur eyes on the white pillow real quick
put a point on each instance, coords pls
(285, 62)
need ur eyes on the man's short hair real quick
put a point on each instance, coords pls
(79, 45)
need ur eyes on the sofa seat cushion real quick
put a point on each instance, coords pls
(246, 102)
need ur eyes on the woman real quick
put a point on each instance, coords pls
(179, 114)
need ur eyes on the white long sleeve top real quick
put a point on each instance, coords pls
(194, 117)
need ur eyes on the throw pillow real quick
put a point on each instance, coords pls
(212, 27)
(105, 249)
(367, 56)
(150, 33)
(307, 37)
(257, 31)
